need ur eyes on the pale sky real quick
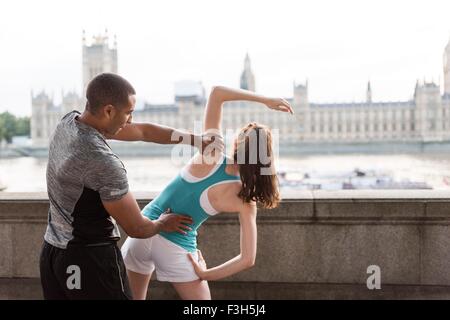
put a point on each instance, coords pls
(337, 45)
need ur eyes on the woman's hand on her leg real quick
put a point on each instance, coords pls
(200, 265)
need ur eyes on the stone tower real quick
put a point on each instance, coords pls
(98, 57)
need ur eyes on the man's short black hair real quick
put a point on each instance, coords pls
(108, 88)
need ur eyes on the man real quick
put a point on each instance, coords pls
(88, 192)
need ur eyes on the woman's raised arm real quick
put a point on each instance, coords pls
(220, 94)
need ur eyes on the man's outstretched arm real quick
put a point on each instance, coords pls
(150, 132)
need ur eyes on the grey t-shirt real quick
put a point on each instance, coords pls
(82, 171)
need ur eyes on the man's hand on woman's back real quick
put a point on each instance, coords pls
(172, 222)
(128, 215)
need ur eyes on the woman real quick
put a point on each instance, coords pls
(202, 189)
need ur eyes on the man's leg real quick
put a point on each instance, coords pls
(51, 287)
(96, 272)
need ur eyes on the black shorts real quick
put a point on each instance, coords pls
(84, 272)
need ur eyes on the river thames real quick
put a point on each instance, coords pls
(152, 173)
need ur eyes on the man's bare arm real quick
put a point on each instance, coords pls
(128, 215)
(150, 132)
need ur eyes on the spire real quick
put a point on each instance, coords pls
(369, 93)
(247, 77)
(416, 89)
(247, 63)
(447, 69)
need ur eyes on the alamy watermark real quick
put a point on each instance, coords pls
(74, 280)
(374, 280)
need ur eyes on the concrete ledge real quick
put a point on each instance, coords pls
(362, 207)
(318, 243)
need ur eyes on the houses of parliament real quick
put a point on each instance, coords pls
(426, 117)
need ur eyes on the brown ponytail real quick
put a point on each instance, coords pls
(253, 153)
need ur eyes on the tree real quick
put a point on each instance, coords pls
(11, 126)
(23, 126)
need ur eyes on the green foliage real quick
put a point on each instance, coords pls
(11, 126)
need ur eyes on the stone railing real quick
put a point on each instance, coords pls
(315, 245)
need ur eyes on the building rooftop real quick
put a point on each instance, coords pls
(364, 104)
(159, 108)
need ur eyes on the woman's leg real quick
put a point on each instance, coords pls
(193, 290)
(139, 284)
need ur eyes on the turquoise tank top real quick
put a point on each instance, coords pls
(183, 197)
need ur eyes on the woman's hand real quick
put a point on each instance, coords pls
(208, 142)
(200, 265)
(278, 104)
(212, 141)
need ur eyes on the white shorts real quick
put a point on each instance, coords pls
(170, 260)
